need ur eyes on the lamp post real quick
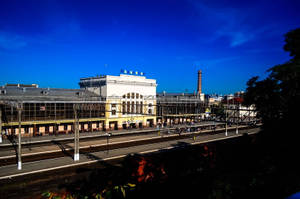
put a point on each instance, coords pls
(226, 133)
(237, 120)
(76, 134)
(19, 108)
(0, 125)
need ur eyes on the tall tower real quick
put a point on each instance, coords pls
(199, 88)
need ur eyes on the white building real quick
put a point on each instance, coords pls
(130, 99)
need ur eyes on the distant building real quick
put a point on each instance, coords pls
(213, 99)
(176, 108)
(235, 108)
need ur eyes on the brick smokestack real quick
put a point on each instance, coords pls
(199, 88)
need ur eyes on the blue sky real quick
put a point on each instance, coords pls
(55, 43)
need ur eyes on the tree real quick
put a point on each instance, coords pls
(292, 43)
(277, 98)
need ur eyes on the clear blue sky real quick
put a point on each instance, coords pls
(54, 43)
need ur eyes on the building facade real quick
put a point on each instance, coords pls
(179, 108)
(130, 99)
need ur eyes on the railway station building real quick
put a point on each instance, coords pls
(102, 103)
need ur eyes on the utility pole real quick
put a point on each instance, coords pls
(162, 116)
(226, 133)
(237, 119)
(76, 134)
(19, 108)
(0, 125)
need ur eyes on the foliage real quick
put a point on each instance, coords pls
(135, 172)
(218, 111)
(277, 97)
(277, 100)
(54, 195)
(118, 191)
(292, 43)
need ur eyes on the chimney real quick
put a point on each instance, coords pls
(199, 88)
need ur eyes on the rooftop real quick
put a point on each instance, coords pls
(19, 92)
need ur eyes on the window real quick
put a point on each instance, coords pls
(128, 107)
(141, 96)
(150, 108)
(124, 108)
(141, 109)
(132, 95)
(124, 96)
(113, 109)
(128, 95)
(132, 107)
(137, 107)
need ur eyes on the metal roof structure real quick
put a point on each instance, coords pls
(177, 97)
(20, 93)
